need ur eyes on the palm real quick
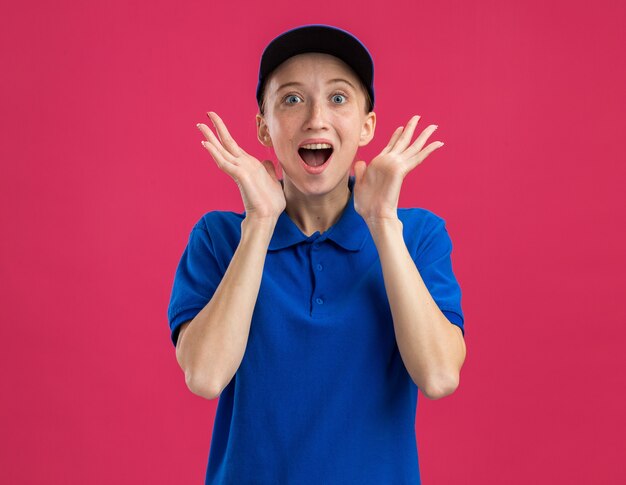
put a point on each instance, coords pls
(377, 186)
(261, 191)
(377, 190)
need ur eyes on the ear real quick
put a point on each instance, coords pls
(262, 133)
(367, 131)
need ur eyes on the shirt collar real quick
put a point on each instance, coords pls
(349, 231)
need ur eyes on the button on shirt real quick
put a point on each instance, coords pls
(322, 394)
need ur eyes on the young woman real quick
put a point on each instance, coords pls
(317, 313)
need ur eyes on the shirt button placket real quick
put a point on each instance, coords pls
(318, 297)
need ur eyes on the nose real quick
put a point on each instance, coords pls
(316, 116)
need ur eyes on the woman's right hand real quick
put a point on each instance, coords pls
(261, 191)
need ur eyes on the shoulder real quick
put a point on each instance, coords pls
(421, 227)
(216, 220)
(418, 218)
(220, 227)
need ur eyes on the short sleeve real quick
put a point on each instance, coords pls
(197, 277)
(434, 264)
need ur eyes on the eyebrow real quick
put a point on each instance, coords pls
(338, 80)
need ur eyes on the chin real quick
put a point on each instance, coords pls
(318, 185)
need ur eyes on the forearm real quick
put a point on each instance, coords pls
(215, 340)
(432, 349)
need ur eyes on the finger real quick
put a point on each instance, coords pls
(420, 140)
(224, 135)
(221, 162)
(212, 140)
(210, 136)
(421, 156)
(407, 134)
(204, 129)
(394, 137)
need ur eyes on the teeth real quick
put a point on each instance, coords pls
(316, 146)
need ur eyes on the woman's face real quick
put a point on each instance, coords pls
(315, 120)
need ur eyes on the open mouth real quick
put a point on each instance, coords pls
(315, 155)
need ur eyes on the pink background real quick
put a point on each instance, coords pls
(103, 177)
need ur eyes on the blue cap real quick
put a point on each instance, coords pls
(325, 39)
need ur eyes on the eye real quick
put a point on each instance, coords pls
(339, 98)
(292, 99)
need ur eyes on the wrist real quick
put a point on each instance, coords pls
(383, 223)
(384, 227)
(258, 227)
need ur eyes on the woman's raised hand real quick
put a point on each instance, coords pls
(377, 185)
(261, 191)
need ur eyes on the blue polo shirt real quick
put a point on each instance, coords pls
(322, 395)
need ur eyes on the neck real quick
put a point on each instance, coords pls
(313, 213)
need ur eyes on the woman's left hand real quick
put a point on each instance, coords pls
(377, 185)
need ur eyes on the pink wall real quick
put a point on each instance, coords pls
(103, 177)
